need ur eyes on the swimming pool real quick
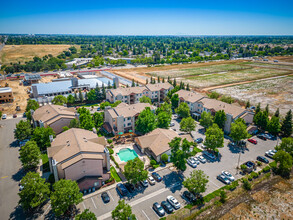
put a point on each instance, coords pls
(127, 154)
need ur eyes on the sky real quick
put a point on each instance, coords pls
(160, 17)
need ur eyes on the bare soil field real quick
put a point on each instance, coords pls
(20, 95)
(288, 59)
(278, 93)
(23, 53)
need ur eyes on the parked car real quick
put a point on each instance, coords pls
(172, 124)
(191, 162)
(4, 116)
(262, 136)
(196, 160)
(151, 180)
(105, 197)
(199, 140)
(262, 159)
(270, 153)
(250, 164)
(144, 183)
(158, 209)
(228, 175)
(14, 115)
(138, 186)
(201, 159)
(122, 189)
(24, 115)
(157, 176)
(223, 179)
(232, 144)
(173, 202)
(166, 205)
(253, 141)
(129, 187)
(189, 196)
(242, 143)
(209, 155)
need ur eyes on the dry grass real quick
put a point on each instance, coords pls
(23, 53)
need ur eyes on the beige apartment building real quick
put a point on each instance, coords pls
(156, 92)
(122, 118)
(82, 156)
(6, 95)
(54, 116)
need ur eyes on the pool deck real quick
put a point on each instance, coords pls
(131, 146)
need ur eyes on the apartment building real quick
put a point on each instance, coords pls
(192, 99)
(6, 95)
(80, 155)
(156, 92)
(122, 118)
(54, 116)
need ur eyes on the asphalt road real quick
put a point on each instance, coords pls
(10, 172)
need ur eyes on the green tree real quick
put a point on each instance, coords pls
(163, 120)
(220, 118)
(134, 171)
(59, 100)
(30, 155)
(42, 137)
(92, 96)
(179, 152)
(23, 130)
(165, 107)
(74, 123)
(257, 110)
(65, 128)
(183, 110)
(133, 83)
(123, 211)
(1, 114)
(66, 194)
(214, 137)
(274, 126)
(35, 191)
(206, 119)
(286, 145)
(196, 182)
(261, 120)
(63, 66)
(286, 128)
(86, 215)
(247, 104)
(70, 99)
(175, 101)
(284, 162)
(164, 157)
(145, 99)
(238, 131)
(146, 121)
(31, 105)
(98, 119)
(277, 113)
(187, 125)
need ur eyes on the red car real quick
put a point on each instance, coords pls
(251, 140)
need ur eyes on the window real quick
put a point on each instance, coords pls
(114, 120)
(129, 118)
(124, 119)
(125, 97)
(129, 124)
(96, 184)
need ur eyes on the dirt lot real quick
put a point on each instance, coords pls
(22, 53)
(288, 59)
(278, 93)
(20, 95)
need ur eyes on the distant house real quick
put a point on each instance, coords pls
(80, 155)
(6, 95)
(122, 118)
(30, 79)
(158, 91)
(54, 116)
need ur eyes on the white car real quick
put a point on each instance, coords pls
(270, 153)
(173, 202)
(191, 162)
(196, 160)
(201, 159)
(172, 124)
(151, 180)
(228, 175)
(4, 116)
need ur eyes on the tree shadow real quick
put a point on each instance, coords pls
(14, 144)
(237, 150)
(18, 175)
(173, 181)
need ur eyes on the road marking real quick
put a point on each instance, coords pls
(94, 203)
(83, 205)
(145, 214)
(215, 184)
(111, 196)
(3, 177)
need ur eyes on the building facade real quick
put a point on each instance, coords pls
(6, 95)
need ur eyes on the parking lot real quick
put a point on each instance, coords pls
(171, 184)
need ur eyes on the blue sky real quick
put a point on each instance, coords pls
(161, 17)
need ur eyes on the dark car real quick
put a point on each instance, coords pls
(157, 177)
(24, 115)
(262, 159)
(262, 136)
(105, 197)
(129, 187)
(14, 115)
(250, 164)
(122, 189)
(166, 205)
(138, 186)
(199, 140)
(189, 196)
(158, 209)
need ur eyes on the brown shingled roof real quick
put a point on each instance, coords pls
(127, 91)
(189, 96)
(129, 110)
(158, 86)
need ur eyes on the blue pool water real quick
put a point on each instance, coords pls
(127, 154)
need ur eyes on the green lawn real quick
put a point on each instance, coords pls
(45, 161)
(115, 175)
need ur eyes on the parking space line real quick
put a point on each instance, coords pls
(145, 214)
(111, 196)
(215, 184)
(154, 211)
(83, 205)
(94, 203)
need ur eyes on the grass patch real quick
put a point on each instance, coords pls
(115, 175)
(45, 160)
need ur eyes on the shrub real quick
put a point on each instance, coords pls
(110, 141)
(266, 169)
(223, 196)
(51, 178)
(259, 163)
(164, 157)
(110, 180)
(233, 185)
(111, 151)
(254, 175)
(153, 163)
(243, 167)
(249, 178)
(246, 185)
(259, 172)
(113, 159)
(273, 165)
(267, 175)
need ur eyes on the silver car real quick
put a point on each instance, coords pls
(228, 175)
(191, 162)
(201, 159)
